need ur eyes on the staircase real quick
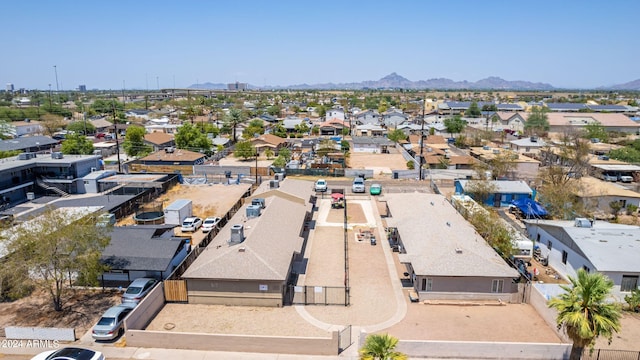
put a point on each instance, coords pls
(42, 183)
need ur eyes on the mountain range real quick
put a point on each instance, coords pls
(395, 81)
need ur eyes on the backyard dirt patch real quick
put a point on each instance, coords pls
(381, 164)
(207, 200)
(627, 339)
(81, 311)
(511, 322)
(241, 320)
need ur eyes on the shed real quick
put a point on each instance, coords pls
(177, 211)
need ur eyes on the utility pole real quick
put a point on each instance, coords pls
(424, 101)
(115, 131)
(50, 107)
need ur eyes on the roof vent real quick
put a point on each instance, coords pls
(583, 223)
(169, 150)
(448, 224)
(237, 234)
(242, 249)
(458, 250)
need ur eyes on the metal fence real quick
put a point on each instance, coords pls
(607, 354)
(318, 295)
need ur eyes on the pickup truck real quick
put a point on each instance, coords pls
(625, 178)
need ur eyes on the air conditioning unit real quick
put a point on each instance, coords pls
(237, 234)
(253, 211)
(57, 155)
(274, 184)
(486, 147)
(258, 201)
(496, 151)
(279, 176)
(169, 150)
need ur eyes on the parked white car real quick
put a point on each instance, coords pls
(209, 223)
(358, 185)
(320, 185)
(191, 224)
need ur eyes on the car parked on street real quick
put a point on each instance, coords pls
(358, 185)
(191, 224)
(111, 324)
(375, 189)
(320, 185)
(209, 223)
(69, 353)
(137, 290)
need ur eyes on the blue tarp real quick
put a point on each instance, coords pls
(530, 208)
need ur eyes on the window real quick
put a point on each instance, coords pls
(496, 286)
(629, 283)
(538, 238)
(549, 245)
(427, 284)
(564, 257)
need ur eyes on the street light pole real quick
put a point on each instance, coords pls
(50, 106)
(424, 101)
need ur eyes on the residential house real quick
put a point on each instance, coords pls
(597, 195)
(503, 191)
(507, 120)
(367, 117)
(159, 140)
(370, 130)
(370, 144)
(529, 145)
(220, 141)
(250, 261)
(101, 124)
(393, 118)
(290, 123)
(173, 157)
(332, 127)
(139, 113)
(560, 122)
(137, 251)
(268, 141)
(26, 128)
(458, 107)
(269, 118)
(444, 256)
(334, 113)
(524, 167)
(595, 246)
(29, 144)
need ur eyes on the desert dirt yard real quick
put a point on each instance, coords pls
(81, 311)
(381, 164)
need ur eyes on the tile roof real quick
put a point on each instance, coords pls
(439, 241)
(269, 139)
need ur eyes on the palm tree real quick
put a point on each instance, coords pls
(234, 118)
(584, 311)
(381, 347)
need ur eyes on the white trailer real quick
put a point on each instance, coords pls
(177, 211)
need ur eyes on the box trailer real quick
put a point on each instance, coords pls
(177, 211)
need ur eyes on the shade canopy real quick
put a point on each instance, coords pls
(530, 208)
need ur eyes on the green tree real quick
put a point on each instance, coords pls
(538, 122)
(234, 118)
(381, 347)
(268, 153)
(244, 150)
(9, 153)
(79, 127)
(473, 110)
(285, 153)
(279, 161)
(255, 127)
(454, 125)
(584, 312)
(191, 138)
(134, 142)
(76, 144)
(396, 135)
(274, 110)
(633, 300)
(595, 130)
(55, 248)
(626, 154)
(51, 123)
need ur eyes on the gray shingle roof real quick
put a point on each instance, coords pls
(377, 140)
(267, 251)
(137, 248)
(26, 143)
(503, 186)
(432, 231)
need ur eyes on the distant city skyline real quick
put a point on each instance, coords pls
(164, 44)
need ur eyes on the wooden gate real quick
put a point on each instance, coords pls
(175, 291)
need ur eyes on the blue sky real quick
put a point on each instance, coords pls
(576, 44)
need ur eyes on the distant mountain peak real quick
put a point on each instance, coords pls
(394, 77)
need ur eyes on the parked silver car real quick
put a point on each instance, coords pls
(137, 290)
(111, 324)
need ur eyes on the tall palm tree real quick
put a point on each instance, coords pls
(584, 311)
(234, 118)
(381, 347)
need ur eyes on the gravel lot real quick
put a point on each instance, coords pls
(381, 164)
